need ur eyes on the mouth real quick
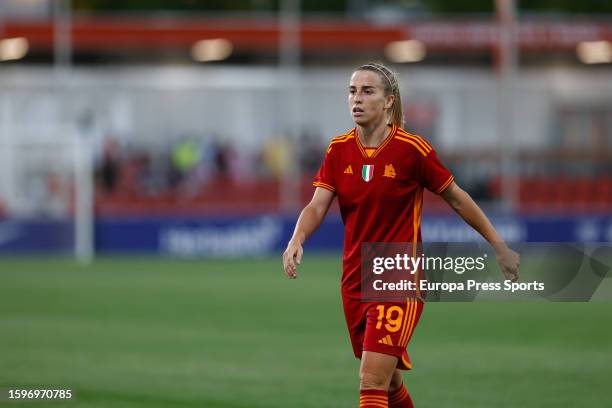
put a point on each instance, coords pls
(357, 110)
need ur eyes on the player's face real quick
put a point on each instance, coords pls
(367, 100)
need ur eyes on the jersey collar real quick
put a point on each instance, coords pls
(375, 152)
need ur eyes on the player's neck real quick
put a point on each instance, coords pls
(373, 135)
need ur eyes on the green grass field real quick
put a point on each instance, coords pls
(162, 333)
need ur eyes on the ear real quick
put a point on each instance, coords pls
(389, 99)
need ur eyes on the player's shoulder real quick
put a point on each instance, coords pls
(413, 142)
(338, 141)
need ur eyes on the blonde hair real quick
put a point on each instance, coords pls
(390, 81)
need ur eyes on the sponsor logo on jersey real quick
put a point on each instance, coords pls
(389, 171)
(348, 170)
(367, 172)
(386, 340)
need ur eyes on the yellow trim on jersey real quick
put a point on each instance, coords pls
(421, 141)
(349, 133)
(344, 139)
(324, 185)
(410, 323)
(414, 143)
(340, 139)
(410, 326)
(375, 403)
(445, 185)
(371, 402)
(405, 319)
(402, 393)
(410, 304)
(364, 150)
(361, 149)
(373, 398)
(416, 218)
(386, 141)
(416, 224)
(406, 363)
(399, 397)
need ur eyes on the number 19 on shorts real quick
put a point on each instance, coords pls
(392, 316)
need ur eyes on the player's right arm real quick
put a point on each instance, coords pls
(309, 220)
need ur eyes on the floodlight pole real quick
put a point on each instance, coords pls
(289, 64)
(506, 64)
(83, 155)
(7, 146)
(62, 37)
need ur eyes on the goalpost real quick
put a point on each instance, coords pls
(47, 176)
(84, 198)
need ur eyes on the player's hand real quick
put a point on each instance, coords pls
(509, 262)
(292, 257)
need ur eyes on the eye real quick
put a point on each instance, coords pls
(351, 91)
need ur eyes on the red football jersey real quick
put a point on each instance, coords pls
(380, 192)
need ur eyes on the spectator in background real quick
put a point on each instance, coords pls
(109, 168)
(276, 156)
(223, 158)
(184, 157)
(310, 152)
(3, 210)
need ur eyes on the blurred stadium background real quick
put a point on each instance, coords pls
(191, 130)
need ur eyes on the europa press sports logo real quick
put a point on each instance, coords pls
(468, 271)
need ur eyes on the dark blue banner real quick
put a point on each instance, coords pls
(244, 236)
(25, 236)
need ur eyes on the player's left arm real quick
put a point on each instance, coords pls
(464, 205)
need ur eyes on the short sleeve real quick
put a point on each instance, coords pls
(325, 176)
(434, 176)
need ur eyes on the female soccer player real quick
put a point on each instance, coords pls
(378, 172)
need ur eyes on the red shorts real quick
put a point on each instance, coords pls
(383, 327)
